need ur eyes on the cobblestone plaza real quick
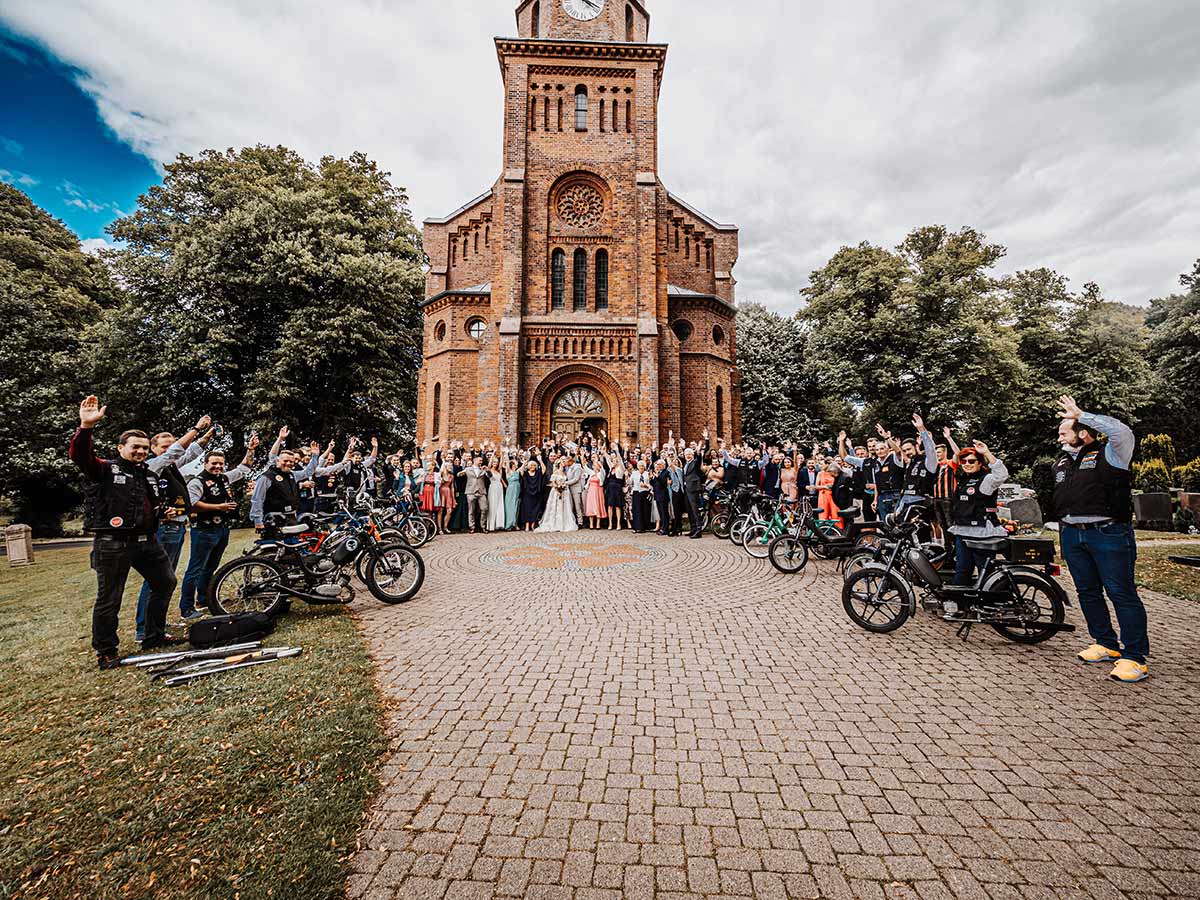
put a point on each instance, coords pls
(615, 715)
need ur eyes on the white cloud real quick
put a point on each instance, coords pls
(22, 179)
(95, 245)
(10, 146)
(1064, 131)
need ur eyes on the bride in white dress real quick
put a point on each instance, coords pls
(558, 516)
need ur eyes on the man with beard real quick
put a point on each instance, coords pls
(276, 499)
(1093, 499)
(122, 505)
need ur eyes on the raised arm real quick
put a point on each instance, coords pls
(949, 436)
(1121, 440)
(931, 463)
(82, 451)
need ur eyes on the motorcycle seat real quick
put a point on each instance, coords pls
(293, 529)
(988, 545)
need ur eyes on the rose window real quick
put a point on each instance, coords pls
(581, 206)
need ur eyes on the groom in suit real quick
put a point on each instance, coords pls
(574, 473)
(693, 486)
(477, 489)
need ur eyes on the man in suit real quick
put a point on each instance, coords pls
(477, 489)
(661, 482)
(678, 502)
(574, 473)
(693, 487)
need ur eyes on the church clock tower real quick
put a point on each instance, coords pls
(577, 293)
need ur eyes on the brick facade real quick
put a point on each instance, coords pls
(518, 311)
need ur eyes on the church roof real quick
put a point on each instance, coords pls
(699, 215)
(674, 290)
(462, 209)
(478, 290)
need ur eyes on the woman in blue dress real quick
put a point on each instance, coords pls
(512, 494)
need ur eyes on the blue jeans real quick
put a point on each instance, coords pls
(171, 535)
(208, 546)
(968, 561)
(887, 503)
(1101, 560)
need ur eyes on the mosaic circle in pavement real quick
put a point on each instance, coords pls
(571, 556)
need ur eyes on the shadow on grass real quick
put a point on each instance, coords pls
(248, 784)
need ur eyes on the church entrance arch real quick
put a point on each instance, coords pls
(576, 398)
(577, 409)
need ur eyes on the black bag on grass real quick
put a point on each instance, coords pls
(217, 631)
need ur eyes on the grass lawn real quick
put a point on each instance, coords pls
(249, 784)
(1158, 573)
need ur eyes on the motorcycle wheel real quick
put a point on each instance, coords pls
(247, 585)
(855, 562)
(752, 541)
(719, 525)
(740, 524)
(416, 533)
(876, 599)
(396, 574)
(788, 554)
(1032, 592)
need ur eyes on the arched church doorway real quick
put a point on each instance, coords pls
(578, 409)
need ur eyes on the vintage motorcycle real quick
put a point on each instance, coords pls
(317, 566)
(1015, 593)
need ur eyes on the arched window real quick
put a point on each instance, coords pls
(720, 411)
(533, 114)
(603, 112)
(487, 235)
(628, 116)
(579, 277)
(697, 252)
(601, 279)
(546, 115)
(676, 237)
(614, 116)
(476, 240)
(560, 113)
(581, 108)
(628, 22)
(537, 20)
(708, 257)
(558, 278)
(437, 410)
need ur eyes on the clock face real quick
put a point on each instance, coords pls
(583, 9)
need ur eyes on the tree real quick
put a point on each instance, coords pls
(1078, 344)
(50, 292)
(778, 399)
(1174, 350)
(266, 290)
(921, 327)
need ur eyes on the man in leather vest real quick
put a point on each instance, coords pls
(214, 507)
(167, 455)
(121, 508)
(1093, 500)
(276, 498)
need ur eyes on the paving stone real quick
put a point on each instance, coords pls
(676, 719)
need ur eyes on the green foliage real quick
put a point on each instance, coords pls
(1043, 484)
(1175, 351)
(1151, 477)
(777, 398)
(50, 291)
(1158, 446)
(918, 327)
(266, 290)
(1187, 476)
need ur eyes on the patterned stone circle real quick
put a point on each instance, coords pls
(578, 556)
(581, 206)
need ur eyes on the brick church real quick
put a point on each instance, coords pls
(577, 292)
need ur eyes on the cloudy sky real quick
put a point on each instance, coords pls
(1066, 131)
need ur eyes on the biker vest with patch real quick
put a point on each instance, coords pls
(124, 500)
(889, 476)
(1089, 485)
(352, 478)
(917, 478)
(283, 494)
(215, 489)
(972, 508)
